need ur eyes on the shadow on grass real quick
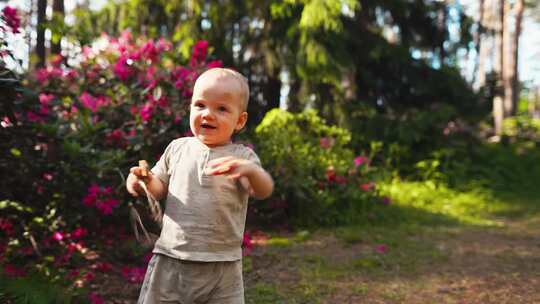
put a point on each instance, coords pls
(510, 173)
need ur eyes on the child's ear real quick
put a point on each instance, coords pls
(242, 119)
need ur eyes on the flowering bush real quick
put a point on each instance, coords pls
(319, 180)
(9, 24)
(70, 143)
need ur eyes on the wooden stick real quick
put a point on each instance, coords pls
(144, 165)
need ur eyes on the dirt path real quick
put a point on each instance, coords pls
(460, 265)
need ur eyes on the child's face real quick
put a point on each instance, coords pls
(216, 110)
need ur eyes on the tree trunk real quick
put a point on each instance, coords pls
(271, 92)
(443, 18)
(508, 63)
(58, 10)
(40, 29)
(293, 99)
(498, 99)
(519, 6)
(479, 73)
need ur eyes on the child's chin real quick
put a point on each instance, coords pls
(208, 141)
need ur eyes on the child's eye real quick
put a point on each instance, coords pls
(198, 105)
(222, 109)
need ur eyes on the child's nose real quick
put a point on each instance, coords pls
(207, 113)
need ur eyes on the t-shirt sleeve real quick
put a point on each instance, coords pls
(163, 167)
(252, 156)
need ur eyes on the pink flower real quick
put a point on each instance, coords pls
(58, 236)
(101, 198)
(359, 160)
(133, 275)
(181, 76)
(366, 187)
(340, 180)
(7, 226)
(48, 176)
(14, 271)
(88, 101)
(326, 142)
(104, 208)
(94, 189)
(33, 117)
(9, 14)
(200, 50)
(93, 103)
(163, 45)
(330, 174)
(215, 64)
(45, 99)
(125, 37)
(79, 233)
(117, 138)
(89, 276)
(150, 51)
(95, 298)
(146, 112)
(103, 267)
(247, 244)
(147, 258)
(42, 75)
(381, 248)
(108, 190)
(122, 69)
(89, 200)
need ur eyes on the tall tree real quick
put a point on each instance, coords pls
(513, 71)
(479, 73)
(40, 49)
(498, 67)
(58, 17)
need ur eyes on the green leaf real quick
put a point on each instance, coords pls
(15, 152)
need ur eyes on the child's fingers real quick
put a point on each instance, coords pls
(221, 168)
(139, 172)
(218, 170)
(244, 182)
(136, 171)
(131, 188)
(219, 161)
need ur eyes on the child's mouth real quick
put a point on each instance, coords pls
(207, 126)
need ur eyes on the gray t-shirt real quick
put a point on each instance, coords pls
(204, 215)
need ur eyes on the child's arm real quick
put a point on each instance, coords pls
(260, 181)
(154, 185)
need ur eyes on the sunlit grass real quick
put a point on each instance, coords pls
(475, 206)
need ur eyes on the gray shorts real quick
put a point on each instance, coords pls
(170, 280)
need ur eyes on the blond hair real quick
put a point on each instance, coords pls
(243, 87)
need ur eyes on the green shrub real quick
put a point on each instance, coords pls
(318, 179)
(523, 128)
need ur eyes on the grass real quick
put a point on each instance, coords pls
(420, 231)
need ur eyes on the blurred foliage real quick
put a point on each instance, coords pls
(318, 180)
(523, 128)
(330, 54)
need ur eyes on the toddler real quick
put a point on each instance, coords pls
(206, 181)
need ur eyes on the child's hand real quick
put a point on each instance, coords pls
(137, 174)
(235, 168)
